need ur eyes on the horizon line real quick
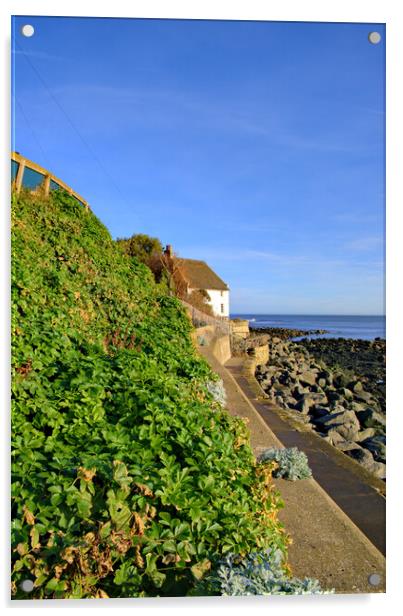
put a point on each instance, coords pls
(305, 314)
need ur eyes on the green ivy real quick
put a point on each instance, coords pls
(127, 476)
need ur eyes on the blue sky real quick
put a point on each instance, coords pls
(257, 146)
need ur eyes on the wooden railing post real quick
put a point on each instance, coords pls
(46, 185)
(19, 176)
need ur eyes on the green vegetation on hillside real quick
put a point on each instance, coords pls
(128, 479)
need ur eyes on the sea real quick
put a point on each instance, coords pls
(336, 326)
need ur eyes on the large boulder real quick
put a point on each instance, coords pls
(358, 406)
(370, 418)
(355, 386)
(309, 400)
(346, 393)
(340, 379)
(326, 376)
(365, 458)
(304, 404)
(377, 446)
(334, 438)
(308, 377)
(365, 396)
(290, 402)
(344, 422)
(334, 396)
(319, 411)
(362, 435)
(299, 391)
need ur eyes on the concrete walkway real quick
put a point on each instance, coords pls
(342, 478)
(327, 544)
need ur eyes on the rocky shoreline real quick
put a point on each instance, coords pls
(335, 386)
(285, 333)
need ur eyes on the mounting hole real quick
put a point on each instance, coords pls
(27, 30)
(374, 579)
(27, 585)
(374, 38)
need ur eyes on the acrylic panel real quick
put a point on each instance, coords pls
(198, 314)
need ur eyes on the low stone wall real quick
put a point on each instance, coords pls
(221, 348)
(257, 356)
(219, 344)
(240, 328)
(203, 335)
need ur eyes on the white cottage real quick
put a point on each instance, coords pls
(199, 276)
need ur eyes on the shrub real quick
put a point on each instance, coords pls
(141, 246)
(292, 463)
(257, 574)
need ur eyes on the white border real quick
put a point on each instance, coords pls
(381, 11)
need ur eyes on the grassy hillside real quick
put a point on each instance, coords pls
(128, 478)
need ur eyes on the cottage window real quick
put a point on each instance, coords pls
(222, 308)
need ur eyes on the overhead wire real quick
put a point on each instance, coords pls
(71, 123)
(33, 132)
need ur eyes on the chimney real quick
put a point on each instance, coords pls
(168, 250)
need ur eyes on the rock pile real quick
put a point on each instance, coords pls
(285, 332)
(332, 401)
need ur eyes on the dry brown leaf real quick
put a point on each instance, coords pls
(29, 516)
(138, 559)
(144, 489)
(22, 549)
(86, 473)
(138, 524)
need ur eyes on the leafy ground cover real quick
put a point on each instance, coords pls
(128, 478)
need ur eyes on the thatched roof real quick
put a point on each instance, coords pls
(199, 275)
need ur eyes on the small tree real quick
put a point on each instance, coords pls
(141, 246)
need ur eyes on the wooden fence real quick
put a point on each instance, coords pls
(27, 174)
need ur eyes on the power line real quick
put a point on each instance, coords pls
(31, 128)
(70, 121)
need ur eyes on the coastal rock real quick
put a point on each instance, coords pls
(300, 391)
(309, 400)
(345, 446)
(334, 396)
(290, 402)
(364, 457)
(362, 435)
(369, 418)
(340, 379)
(326, 375)
(304, 403)
(377, 446)
(356, 386)
(345, 423)
(319, 411)
(307, 378)
(346, 393)
(365, 396)
(358, 406)
(339, 417)
(334, 438)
